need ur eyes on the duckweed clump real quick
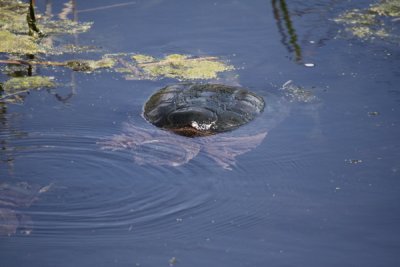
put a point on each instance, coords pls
(369, 23)
(91, 65)
(23, 52)
(18, 44)
(181, 67)
(19, 84)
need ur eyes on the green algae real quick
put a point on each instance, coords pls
(180, 67)
(12, 91)
(18, 44)
(63, 26)
(13, 16)
(139, 58)
(389, 8)
(91, 65)
(19, 84)
(14, 29)
(24, 52)
(369, 23)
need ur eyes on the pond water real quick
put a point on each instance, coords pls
(321, 189)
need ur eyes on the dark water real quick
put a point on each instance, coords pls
(322, 189)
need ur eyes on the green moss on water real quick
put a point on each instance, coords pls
(357, 17)
(91, 65)
(139, 58)
(13, 16)
(389, 8)
(369, 23)
(20, 84)
(181, 67)
(63, 26)
(18, 44)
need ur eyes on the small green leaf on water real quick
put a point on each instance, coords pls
(373, 113)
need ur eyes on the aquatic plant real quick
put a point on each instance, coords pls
(176, 66)
(12, 89)
(26, 35)
(369, 23)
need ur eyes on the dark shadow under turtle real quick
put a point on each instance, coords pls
(218, 116)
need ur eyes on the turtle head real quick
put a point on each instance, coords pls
(192, 121)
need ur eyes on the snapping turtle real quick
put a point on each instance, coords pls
(192, 109)
(14, 197)
(200, 111)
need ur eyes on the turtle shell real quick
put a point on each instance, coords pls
(192, 109)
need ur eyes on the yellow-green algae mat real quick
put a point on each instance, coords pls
(369, 23)
(19, 49)
(14, 87)
(175, 66)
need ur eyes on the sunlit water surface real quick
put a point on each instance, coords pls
(322, 189)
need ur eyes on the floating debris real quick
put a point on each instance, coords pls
(354, 161)
(172, 261)
(297, 93)
(373, 113)
(309, 65)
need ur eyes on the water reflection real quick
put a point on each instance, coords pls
(286, 28)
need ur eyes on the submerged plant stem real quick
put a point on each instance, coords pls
(32, 62)
(31, 19)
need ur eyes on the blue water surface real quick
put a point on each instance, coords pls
(322, 189)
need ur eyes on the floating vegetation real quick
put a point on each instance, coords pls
(91, 65)
(13, 16)
(25, 83)
(13, 88)
(27, 39)
(389, 8)
(63, 26)
(370, 23)
(17, 44)
(176, 66)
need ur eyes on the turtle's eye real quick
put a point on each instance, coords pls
(189, 115)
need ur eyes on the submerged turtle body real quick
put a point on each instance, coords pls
(151, 145)
(202, 109)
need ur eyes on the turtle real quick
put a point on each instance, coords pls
(15, 196)
(193, 109)
(182, 121)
